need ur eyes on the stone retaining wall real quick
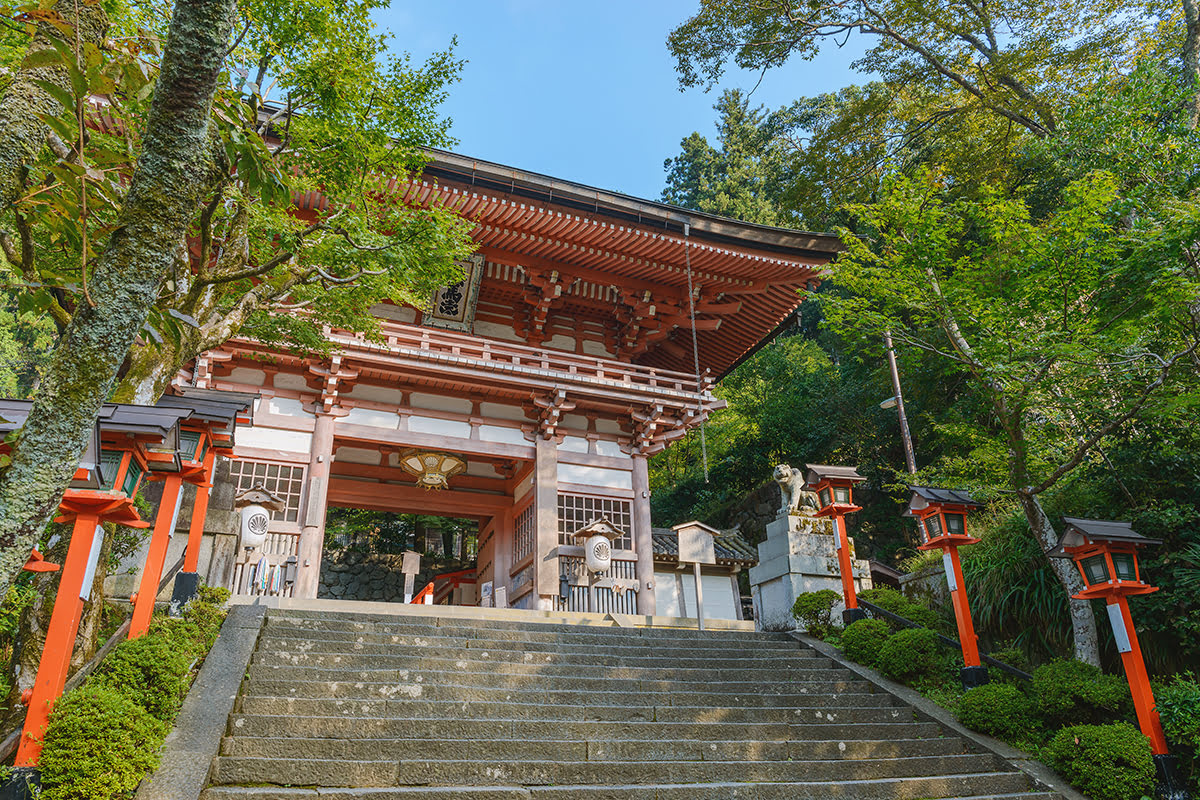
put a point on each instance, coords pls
(755, 511)
(358, 576)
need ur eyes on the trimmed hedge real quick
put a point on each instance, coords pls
(1001, 710)
(891, 600)
(98, 745)
(105, 736)
(910, 655)
(862, 640)
(1106, 762)
(813, 609)
(1070, 692)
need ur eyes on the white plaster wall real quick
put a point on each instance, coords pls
(358, 455)
(286, 380)
(248, 376)
(613, 449)
(376, 394)
(594, 348)
(272, 439)
(498, 433)
(369, 416)
(560, 341)
(481, 469)
(574, 444)
(595, 476)
(500, 411)
(287, 407)
(439, 402)
(394, 313)
(666, 599)
(439, 427)
(496, 331)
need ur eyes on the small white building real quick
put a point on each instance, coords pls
(675, 585)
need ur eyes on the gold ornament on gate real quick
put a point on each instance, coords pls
(432, 470)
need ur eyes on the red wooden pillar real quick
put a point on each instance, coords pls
(156, 556)
(191, 557)
(962, 610)
(1135, 672)
(60, 640)
(845, 562)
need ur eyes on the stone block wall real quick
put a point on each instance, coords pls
(359, 576)
(755, 511)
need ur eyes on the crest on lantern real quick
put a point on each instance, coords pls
(941, 516)
(597, 538)
(255, 506)
(1105, 551)
(432, 470)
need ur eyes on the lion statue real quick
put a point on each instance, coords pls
(797, 500)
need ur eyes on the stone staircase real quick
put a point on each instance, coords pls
(336, 707)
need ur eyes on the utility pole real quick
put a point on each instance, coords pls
(909, 458)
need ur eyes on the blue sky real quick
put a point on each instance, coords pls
(583, 91)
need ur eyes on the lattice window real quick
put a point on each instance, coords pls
(575, 511)
(525, 534)
(283, 480)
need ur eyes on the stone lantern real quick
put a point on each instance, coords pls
(834, 487)
(1105, 553)
(942, 519)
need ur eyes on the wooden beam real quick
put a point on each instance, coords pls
(411, 500)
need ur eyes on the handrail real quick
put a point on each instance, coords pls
(946, 640)
(419, 597)
(398, 335)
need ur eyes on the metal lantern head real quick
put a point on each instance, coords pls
(834, 487)
(123, 469)
(597, 538)
(432, 470)
(941, 516)
(1106, 554)
(193, 445)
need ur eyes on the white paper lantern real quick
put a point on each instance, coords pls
(255, 522)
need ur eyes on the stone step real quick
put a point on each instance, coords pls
(364, 690)
(535, 680)
(483, 709)
(454, 772)
(350, 727)
(639, 657)
(888, 789)
(331, 620)
(604, 750)
(747, 669)
(577, 635)
(377, 643)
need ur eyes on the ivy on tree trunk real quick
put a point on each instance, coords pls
(177, 162)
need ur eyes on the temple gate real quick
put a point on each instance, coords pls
(585, 336)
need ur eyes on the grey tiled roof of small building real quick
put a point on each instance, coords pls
(730, 547)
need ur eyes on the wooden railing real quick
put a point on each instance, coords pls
(447, 345)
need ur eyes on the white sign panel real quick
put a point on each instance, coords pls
(1118, 625)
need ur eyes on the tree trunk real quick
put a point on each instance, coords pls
(1083, 621)
(1191, 56)
(175, 165)
(25, 104)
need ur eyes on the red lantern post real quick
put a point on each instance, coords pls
(1106, 554)
(942, 520)
(834, 487)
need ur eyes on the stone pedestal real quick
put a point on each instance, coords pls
(799, 555)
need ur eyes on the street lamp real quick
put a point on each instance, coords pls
(1106, 554)
(942, 520)
(834, 487)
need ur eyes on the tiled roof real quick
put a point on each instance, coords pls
(730, 547)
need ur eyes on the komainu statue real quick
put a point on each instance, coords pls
(797, 500)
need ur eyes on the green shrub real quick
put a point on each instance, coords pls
(98, 745)
(910, 655)
(813, 609)
(862, 640)
(1178, 706)
(1071, 692)
(213, 595)
(152, 671)
(1105, 762)
(1012, 655)
(999, 709)
(891, 600)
